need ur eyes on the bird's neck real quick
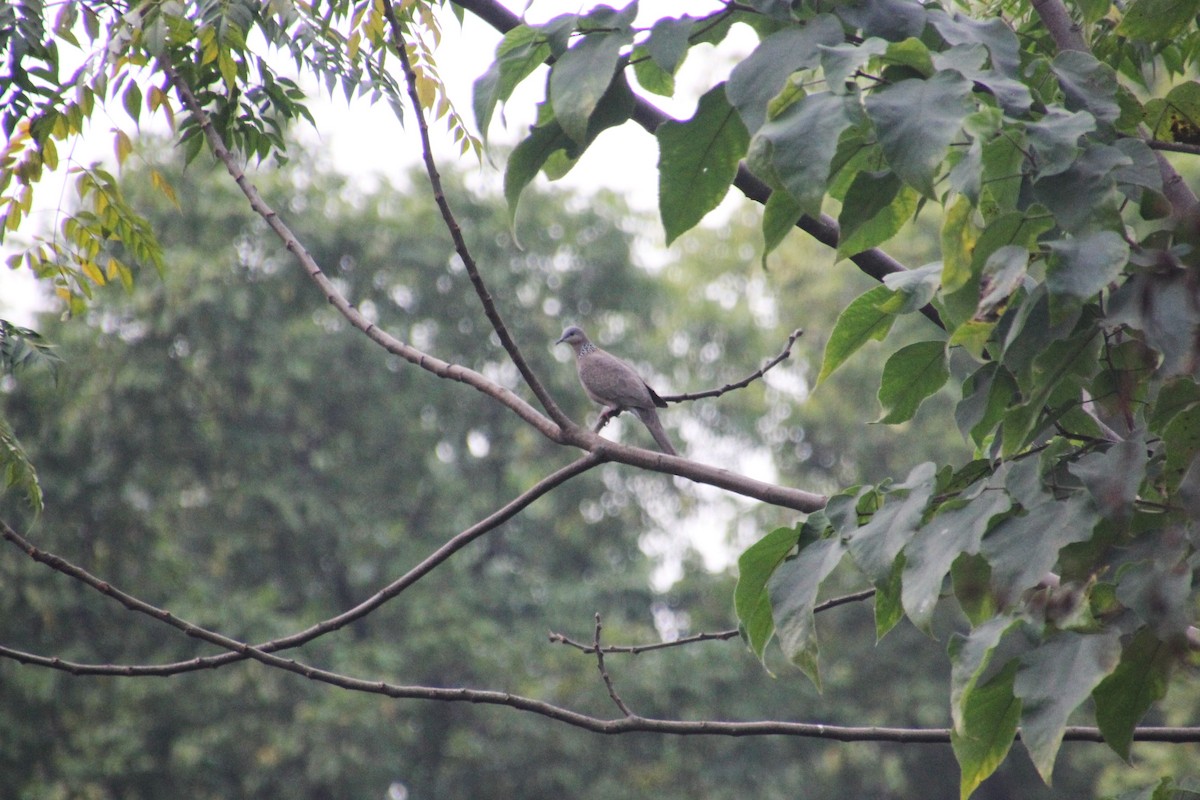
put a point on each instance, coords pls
(585, 348)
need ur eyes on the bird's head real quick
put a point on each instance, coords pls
(573, 336)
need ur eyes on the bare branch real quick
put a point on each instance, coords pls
(1174, 147)
(390, 343)
(460, 244)
(742, 384)
(608, 684)
(427, 565)
(558, 638)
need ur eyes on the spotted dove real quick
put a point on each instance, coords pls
(616, 385)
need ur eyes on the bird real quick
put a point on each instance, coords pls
(615, 384)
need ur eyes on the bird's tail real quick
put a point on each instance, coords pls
(649, 418)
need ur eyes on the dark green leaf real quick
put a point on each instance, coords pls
(793, 590)
(668, 42)
(916, 120)
(1113, 476)
(697, 162)
(522, 50)
(910, 375)
(1055, 139)
(1087, 84)
(1157, 20)
(801, 143)
(875, 546)
(1053, 681)
(1083, 265)
(762, 74)
(581, 76)
(935, 546)
(875, 208)
(986, 395)
(780, 215)
(1124, 697)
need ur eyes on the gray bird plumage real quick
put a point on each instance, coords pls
(614, 384)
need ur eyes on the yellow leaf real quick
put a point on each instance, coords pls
(123, 146)
(50, 154)
(92, 271)
(159, 182)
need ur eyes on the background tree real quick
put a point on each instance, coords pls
(1061, 553)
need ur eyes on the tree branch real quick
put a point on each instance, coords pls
(608, 684)
(569, 434)
(460, 244)
(390, 343)
(427, 565)
(742, 384)
(558, 638)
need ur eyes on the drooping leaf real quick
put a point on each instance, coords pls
(522, 50)
(762, 74)
(1124, 697)
(989, 727)
(875, 208)
(935, 546)
(751, 601)
(1055, 139)
(875, 546)
(582, 75)
(860, 322)
(911, 374)
(780, 215)
(697, 162)
(1022, 549)
(801, 143)
(916, 120)
(793, 590)
(1053, 681)
(986, 395)
(1087, 84)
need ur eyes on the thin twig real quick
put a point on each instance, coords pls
(427, 565)
(390, 343)
(608, 684)
(1174, 147)
(742, 384)
(460, 244)
(732, 633)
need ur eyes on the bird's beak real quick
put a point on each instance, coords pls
(560, 340)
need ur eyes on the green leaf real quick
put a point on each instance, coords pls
(761, 75)
(916, 120)
(989, 727)
(801, 143)
(780, 215)
(970, 657)
(668, 42)
(1087, 84)
(1002, 274)
(1055, 139)
(697, 161)
(888, 608)
(910, 375)
(972, 576)
(1022, 549)
(992, 32)
(1112, 476)
(581, 77)
(17, 470)
(986, 395)
(751, 601)
(1083, 265)
(875, 208)
(958, 237)
(1139, 681)
(1053, 681)
(875, 546)
(793, 591)
(1177, 115)
(522, 50)
(650, 76)
(935, 546)
(1157, 20)
(858, 323)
